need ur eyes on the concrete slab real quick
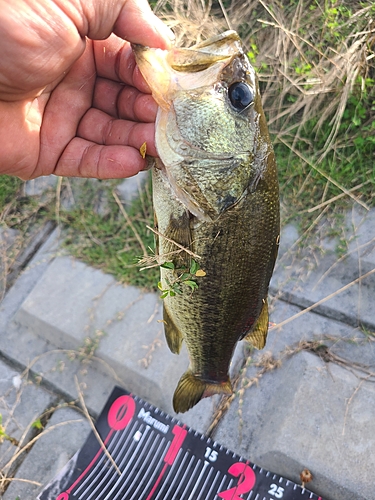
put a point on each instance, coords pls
(130, 188)
(296, 326)
(28, 278)
(65, 433)
(361, 234)
(57, 368)
(21, 404)
(36, 187)
(307, 412)
(305, 278)
(77, 307)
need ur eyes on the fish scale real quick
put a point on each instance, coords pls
(215, 192)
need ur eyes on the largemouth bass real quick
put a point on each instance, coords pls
(215, 193)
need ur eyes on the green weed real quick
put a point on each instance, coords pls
(9, 187)
(182, 278)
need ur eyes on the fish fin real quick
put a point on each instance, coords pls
(191, 389)
(172, 333)
(178, 230)
(258, 335)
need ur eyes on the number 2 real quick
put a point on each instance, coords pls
(276, 491)
(246, 481)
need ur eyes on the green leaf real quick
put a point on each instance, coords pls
(167, 265)
(160, 286)
(356, 121)
(194, 267)
(164, 294)
(193, 285)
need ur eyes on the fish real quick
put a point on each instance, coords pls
(216, 204)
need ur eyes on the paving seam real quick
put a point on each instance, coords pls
(321, 310)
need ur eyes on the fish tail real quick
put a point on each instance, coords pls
(191, 389)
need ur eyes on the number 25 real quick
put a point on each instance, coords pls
(276, 491)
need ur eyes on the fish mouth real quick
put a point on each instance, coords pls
(170, 71)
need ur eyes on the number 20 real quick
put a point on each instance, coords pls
(276, 491)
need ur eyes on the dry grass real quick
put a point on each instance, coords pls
(285, 36)
(315, 62)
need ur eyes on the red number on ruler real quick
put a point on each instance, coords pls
(121, 412)
(179, 436)
(246, 481)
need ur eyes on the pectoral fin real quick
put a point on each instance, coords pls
(172, 333)
(258, 335)
(178, 230)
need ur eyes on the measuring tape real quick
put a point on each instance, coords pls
(156, 457)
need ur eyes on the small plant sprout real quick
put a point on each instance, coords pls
(183, 277)
(37, 424)
(4, 435)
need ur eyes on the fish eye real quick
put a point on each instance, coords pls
(240, 95)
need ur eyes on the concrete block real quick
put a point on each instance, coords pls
(65, 433)
(21, 403)
(289, 236)
(43, 354)
(130, 188)
(306, 277)
(73, 302)
(342, 339)
(308, 413)
(28, 278)
(361, 225)
(309, 279)
(58, 369)
(36, 187)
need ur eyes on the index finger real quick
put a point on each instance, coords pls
(114, 60)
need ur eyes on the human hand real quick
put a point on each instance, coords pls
(71, 105)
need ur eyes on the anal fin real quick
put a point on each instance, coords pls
(258, 335)
(172, 333)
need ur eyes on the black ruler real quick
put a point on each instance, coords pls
(159, 458)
